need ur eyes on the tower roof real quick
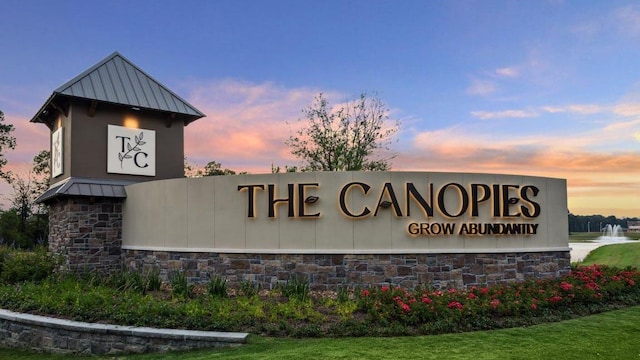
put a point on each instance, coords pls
(117, 80)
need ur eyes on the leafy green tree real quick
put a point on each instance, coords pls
(7, 141)
(22, 201)
(29, 220)
(10, 234)
(348, 138)
(191, 170)
(214, 168)
(38, 223)
(42, 171)
(287, 169)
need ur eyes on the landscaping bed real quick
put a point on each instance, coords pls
(141, 299)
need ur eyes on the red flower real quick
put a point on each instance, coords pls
(365, 292)
(471, 296)
(426, 300)
(484, 291)
(455, 305)
(384, 288)
(555, 299)
(534, 306)
(592, 286)
(566, 286)
(494, 303)
(405, 307)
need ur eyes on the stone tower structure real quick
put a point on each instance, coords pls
(110, 126)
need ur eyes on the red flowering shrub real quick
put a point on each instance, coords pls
(586, 289)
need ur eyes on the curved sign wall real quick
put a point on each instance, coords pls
(348, 212)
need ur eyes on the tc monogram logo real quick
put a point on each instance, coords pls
(56, 153)
(131, 151)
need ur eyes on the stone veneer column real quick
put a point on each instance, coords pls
(87, 233)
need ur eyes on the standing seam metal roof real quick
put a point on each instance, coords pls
(117, 80)
(75, 186)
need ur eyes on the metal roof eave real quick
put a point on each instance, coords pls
(86, 187)
(120, 78)
(36, 118)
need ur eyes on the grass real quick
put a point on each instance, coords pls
(617, 255)
(611, 335)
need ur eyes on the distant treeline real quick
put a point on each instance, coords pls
(595, 223)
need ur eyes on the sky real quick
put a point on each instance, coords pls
(527, 87)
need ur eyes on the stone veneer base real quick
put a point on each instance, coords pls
(87, 233)
(71, 337)
(333, 271)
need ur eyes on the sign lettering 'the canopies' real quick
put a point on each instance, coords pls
(504, 202)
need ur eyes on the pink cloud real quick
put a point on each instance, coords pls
(246, 124)
(31, 139)
(505, 114)
(596, 178)
(509, 72)
(481, 87)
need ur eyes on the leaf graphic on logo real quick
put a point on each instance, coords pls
(136, 138)
(120, 156)
(141, 135)
(136, 149)
(142, 142)
(128, 147)
(127, 156)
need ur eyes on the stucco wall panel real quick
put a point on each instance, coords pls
(211, 214)
(229, 232)
(200, 212)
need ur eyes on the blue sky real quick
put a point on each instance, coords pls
(544, 88)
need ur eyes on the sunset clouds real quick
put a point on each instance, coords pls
(548, 88)
(247, 124)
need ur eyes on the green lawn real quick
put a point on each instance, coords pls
(617, 255)
(612, 335)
